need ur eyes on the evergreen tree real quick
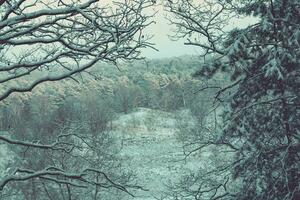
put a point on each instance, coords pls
(262, 121)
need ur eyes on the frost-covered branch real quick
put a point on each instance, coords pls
(260, 119)
(200, 23)
(54, 174)
(51, 41)
(58, 145)
(72, 143)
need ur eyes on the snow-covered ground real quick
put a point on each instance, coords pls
(150, 148)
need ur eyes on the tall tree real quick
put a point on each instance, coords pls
(261, 123)
(44, 41)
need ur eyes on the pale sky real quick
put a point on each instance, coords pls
(160, 31)
(168, 48)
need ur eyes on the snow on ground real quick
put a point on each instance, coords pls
(151, 149)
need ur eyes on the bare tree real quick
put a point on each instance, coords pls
(201, 23)
(45, 41)
(65, 37)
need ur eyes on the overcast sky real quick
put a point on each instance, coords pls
(168, 48)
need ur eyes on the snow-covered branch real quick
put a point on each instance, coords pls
(200, 23)
(54, 174)
(63, 39)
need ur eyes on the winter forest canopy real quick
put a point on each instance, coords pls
(86, 112)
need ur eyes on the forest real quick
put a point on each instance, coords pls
(86, 115)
